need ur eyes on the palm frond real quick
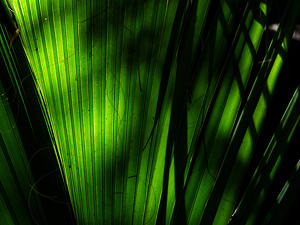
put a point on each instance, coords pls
(147, 108)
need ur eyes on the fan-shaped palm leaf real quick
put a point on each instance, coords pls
(144, 102)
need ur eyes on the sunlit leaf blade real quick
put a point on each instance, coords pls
(257, 192)
(238, 161)
(94, 99)
(220, 119)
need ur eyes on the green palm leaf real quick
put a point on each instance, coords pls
(142, 102)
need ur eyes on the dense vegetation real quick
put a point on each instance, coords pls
(149, 112)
